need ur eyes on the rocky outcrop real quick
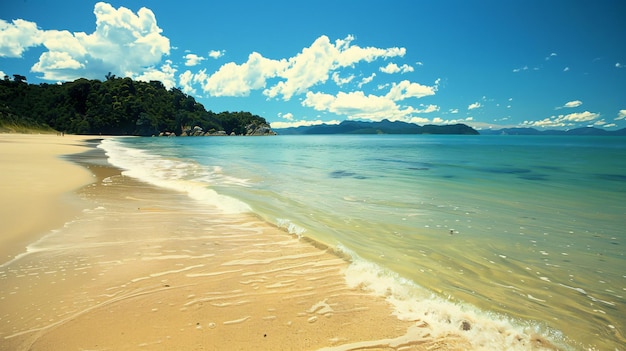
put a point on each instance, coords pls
(259, 129)
(252, 129)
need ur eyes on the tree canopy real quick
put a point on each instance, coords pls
(116, 106)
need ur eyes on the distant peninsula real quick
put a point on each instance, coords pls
(382, 127)
(115, 106)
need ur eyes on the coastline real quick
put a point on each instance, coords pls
(36, 186)
(148, 268)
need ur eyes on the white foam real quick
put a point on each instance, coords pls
(291, 227)
(180, 175)
(412, 302)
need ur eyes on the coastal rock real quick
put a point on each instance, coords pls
(259, 129)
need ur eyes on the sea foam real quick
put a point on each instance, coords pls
(411, 302)
(184, 176)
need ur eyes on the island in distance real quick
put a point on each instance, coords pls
(398, 127)
(383, 127)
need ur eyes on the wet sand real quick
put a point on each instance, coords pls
(36, 186)
(147, 268)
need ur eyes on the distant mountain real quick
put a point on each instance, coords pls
(591, 131)
(382, 127)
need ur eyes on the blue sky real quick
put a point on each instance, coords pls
(490, 64)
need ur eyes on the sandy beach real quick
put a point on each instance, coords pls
(36, 187)
(137, 267)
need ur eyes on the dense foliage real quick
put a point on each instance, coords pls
(116, 106)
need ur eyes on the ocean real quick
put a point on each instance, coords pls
(527, 231)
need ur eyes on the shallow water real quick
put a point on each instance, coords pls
(527, 229)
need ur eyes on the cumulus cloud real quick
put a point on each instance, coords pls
(427, 109)
(619, 65)
(193, 59)
(314, 64)
(165, 74)
(551, 56)
(572, 104)
(238, 80)
(288, 116)
(366, 80)
(393, 68)
(18, 36)
(406, 89)
(216, 53)
(564, 120)
(296, 75)
(355, 105)
(341, 81)
(124, 43)
(185, 80)
(474, 106)
(621, 114)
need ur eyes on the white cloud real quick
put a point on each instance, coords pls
(419, 63)
(2, 74)
(619, 65)
(18, 36)
(564, 120)
(193, 59)
(427, 109)
(123, 43)
(278, 125)
(315, 63)
(341, 81)
(58, 61)
(550, 56)
(565, 69)
(165, 74)
(216, 53)
(599, 122)
(288, 116)
(406, 89)
(238, 80)
(454, 110)
(621, 115)
(474, 106)
(393, 68)
(525, 68)
(366, 80)
(185, 80)
(356, 105)
(572, 104)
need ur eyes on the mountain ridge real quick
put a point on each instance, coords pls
(382, 127)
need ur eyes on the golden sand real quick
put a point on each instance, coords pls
(34, 186)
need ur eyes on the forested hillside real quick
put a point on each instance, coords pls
(116, 106)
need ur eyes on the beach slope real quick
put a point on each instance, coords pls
(35, 186)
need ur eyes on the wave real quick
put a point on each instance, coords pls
(184, 176)
(411, 302)
(484, 330)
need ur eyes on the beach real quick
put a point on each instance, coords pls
(116, 263)
(36, 187)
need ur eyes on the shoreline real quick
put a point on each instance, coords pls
(37, 187)
(146, 267)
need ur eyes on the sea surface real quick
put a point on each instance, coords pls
(528, 231)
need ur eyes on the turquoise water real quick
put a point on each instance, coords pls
(527, 229)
